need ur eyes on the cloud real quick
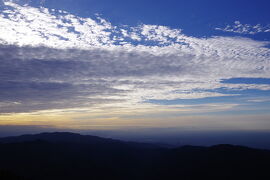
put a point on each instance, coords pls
(259, 100)
(240, 28)
(41, 26)
(51, 59)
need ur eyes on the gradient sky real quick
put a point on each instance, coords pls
(100, 64)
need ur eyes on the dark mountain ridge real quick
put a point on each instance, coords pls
(74, 156)
(67, 137)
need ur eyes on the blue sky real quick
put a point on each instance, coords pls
(196, 18)
(92, 64)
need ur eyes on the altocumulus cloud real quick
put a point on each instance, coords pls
(52, 59)
(240, 28)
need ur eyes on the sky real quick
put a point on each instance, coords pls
(196, 66)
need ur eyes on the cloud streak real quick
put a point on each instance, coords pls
(240, 28)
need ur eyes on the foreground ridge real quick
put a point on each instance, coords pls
(63, 155)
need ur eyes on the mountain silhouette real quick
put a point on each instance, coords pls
(66, 156)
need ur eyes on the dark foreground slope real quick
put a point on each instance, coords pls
(66, 156)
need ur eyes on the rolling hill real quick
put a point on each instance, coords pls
(66, 156)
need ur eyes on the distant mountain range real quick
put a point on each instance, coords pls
(69, 156)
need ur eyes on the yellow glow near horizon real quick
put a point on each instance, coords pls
(160, 116)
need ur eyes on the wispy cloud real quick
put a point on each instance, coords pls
(240, 28)
(52, 59)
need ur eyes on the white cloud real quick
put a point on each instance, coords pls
(24, 25)
(259, 100)
(90, 62)
(240, 28)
